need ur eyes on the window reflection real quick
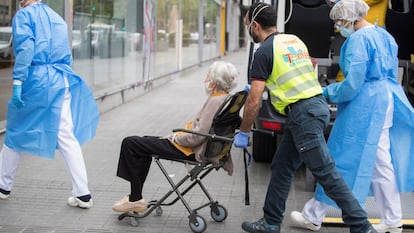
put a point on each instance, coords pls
(117, 44)
(7, 10)
(6, 50)
(107, 43)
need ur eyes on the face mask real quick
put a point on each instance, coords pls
(207, 88)
(345, 32)
(252, 37)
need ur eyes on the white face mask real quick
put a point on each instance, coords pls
(250, 34)
(207, 87)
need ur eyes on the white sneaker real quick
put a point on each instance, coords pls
(300, 221)
(76, 202)
(4, 196)
(382, 228)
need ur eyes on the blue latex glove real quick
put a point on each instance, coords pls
(247, 88)
(325, 92)
(241, 139)
(17, 96)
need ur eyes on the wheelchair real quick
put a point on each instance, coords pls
(219, 143)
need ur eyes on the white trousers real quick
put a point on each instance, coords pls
(383, 183)
(68, 146)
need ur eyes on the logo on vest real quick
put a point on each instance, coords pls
(295, 57)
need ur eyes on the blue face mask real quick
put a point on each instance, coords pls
(345, 32)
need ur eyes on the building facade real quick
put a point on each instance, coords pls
(124, 48)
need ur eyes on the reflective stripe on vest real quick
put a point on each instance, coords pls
(293, 76)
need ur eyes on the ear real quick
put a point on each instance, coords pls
(255, 24)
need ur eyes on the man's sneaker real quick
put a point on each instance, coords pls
(260, 226)
(382, 228)
(4, 194)
(300, 221)
(76, 202)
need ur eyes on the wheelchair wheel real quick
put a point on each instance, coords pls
(134, 221)
(220, 214)
(158, 211)
(199, 226)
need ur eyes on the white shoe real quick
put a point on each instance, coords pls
(76, 202)
(382, 228)
(4, 196)
(300, 221)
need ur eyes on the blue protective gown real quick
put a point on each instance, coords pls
(370, 65)
(42, 59)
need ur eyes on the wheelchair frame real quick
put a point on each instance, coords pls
(199, 170)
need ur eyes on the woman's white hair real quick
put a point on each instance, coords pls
(224, 74)
(349, 10)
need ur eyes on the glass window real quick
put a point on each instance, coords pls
(167, 17)
(107, 43)
(7, 10)
(190, 32)
(118, 44)
(211, 30)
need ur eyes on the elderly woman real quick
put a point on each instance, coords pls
(371, 140)
(136, 152)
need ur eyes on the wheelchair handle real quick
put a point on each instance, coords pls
(204, 134)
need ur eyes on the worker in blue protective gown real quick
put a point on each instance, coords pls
(373, 135)
(51, 107)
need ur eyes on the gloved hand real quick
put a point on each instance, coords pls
(241, 139)
(325, 92)
(247, 88)
(17, 96)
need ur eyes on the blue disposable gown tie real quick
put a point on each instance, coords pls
(42, 60)
(370, 65)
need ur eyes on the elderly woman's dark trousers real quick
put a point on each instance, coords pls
(136, 156)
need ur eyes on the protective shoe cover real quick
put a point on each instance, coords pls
(382, 228)
(76, 202)
(125, 205)
(4, 196)
(260, 226)
(300, 221)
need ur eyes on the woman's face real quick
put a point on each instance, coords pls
(209, 85)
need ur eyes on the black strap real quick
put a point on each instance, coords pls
(246, 157)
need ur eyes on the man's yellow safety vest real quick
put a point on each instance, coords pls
(293, 76)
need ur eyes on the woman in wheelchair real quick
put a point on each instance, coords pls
(136, 152)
